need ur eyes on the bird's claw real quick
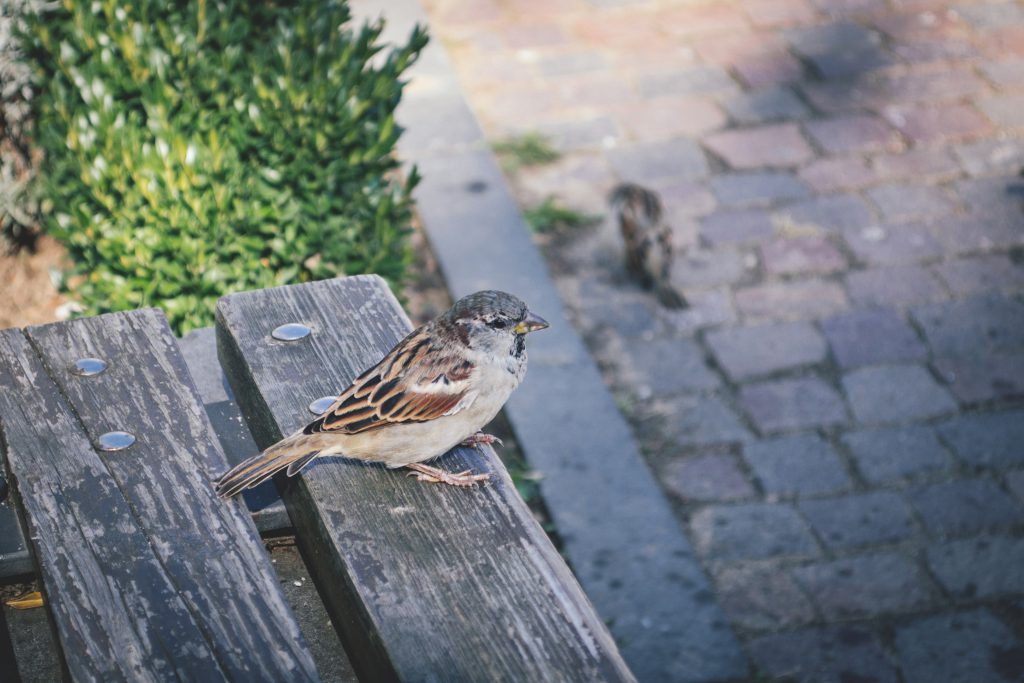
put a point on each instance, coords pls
(481, 439)
(433, 475)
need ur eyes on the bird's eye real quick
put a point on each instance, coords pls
(499, 323)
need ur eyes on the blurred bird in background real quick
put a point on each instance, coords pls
(648, 240)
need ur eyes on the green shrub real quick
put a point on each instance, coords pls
(198, 148)
(19, 209)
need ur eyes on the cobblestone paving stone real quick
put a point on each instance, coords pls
(839, 416)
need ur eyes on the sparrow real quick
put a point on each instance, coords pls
(648, 240)
(434, 390)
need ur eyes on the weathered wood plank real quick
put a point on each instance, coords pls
(147, 574)
(423, 582)
(199, 349)
(57, 474)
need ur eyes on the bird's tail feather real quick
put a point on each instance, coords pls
(669, 297)
(292, 453)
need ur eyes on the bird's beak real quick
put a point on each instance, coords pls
(531, 323)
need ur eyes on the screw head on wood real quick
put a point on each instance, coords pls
(115, 441)
(320, 406)
(290, 332)
(87, 367)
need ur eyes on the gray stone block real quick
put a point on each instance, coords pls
(849, 133)
(745, 352)
(964, 647)
(872, 336)
(751, 531)
(792, 404)
(804, 255)
(580, 135)
(664, 367)
(1015, 482)
(988, 156)
(744, 225)
(988, 439)
(965, 506)
(992, 192)
(708, 308)
(893, 245)
(865, 586)
(973, 326)
(759, 188)
(801, 464)
(839, 49)
(777, 145)
(762, 596)
(696, 80)
(840, 654)
(892, 453)
(792, 300)
(849, 62)
(973, 275)
(710, 477)
(895, 393)
(822, 37)
(650, 162)
(693, 420)
(630, 313)
(828, 213)
(992, 16)
(568, 63)
(768, 104)
(983, 378)
(861, 519)
(986, 567)
(704, 268)
(997, 227)
(899, 202)
(894, 286)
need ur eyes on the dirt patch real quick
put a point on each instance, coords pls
(28, 295)
(424, 295)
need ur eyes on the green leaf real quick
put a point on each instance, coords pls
(193, 150)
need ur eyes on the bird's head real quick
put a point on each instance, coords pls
(493, 321)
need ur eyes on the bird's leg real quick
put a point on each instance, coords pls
(480, 438)
(434, 475)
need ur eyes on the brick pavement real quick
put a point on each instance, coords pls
(838, 418)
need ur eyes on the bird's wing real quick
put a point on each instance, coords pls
(403, 387)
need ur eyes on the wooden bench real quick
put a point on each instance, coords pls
(148, 576)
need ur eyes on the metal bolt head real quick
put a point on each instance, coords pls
(320, 406)
(87, 367)
(290, 332)
(115, 441)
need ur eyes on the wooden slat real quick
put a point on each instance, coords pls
(424, 582)
(199, 349)
(148, 576)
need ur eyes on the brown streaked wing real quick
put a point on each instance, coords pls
(400, 388)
